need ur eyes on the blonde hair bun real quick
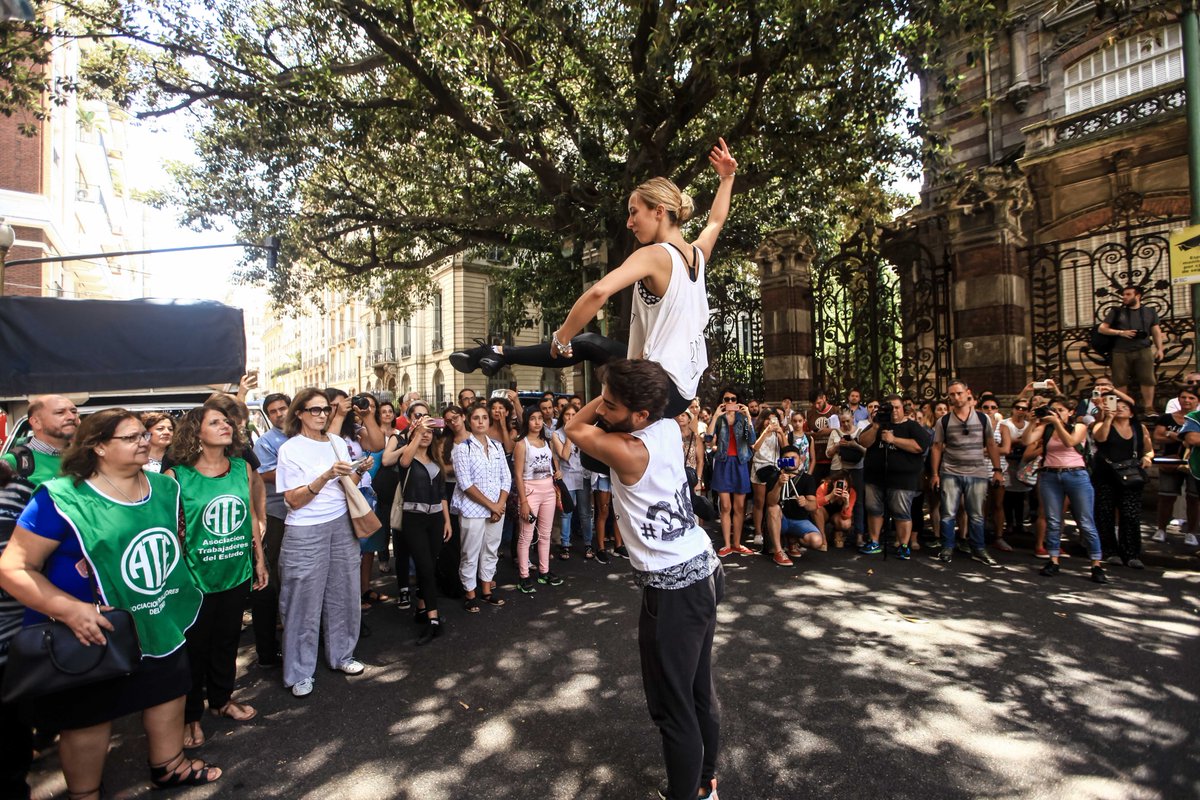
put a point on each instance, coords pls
(662, 192)
(686, 207)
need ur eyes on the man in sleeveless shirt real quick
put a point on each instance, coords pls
(673, 562)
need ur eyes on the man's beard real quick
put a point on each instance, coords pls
(605, 424)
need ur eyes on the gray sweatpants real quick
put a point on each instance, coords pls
(318, 570)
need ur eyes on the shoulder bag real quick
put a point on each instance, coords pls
(362, 518)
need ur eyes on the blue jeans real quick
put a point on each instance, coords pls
(1052, 487)
(973, 492)
(583, 507)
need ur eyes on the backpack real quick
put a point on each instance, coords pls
(983, 418)
(1101, 344)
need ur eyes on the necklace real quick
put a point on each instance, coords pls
(110, 485)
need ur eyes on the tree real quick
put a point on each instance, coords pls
(382, 136)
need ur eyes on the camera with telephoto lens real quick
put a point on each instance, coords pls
(1042, 412)
(786, 462)
(361, 402)
(883, 417)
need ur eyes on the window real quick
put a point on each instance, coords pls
(406, 338)
(1126, 67)
(436, 308)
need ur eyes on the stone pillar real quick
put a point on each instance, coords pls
(784, 266)
(989, 296)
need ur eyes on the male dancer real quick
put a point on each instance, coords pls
(672, 560)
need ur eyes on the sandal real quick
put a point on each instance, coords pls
(371, 596)
(167, 776)
(189, 739)
(589, 552)
(564, 553)
(492, 600)
(471, 604)
(238, 712)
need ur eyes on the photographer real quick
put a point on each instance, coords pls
(964, 458)
(837, 502)
(1138, 345)
(791, 506)
(892, 472)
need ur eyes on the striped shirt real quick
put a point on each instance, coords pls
(13, 499)
(488, 473)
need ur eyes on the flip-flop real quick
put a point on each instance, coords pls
(224, 711)
(188, 742)
(471, 604)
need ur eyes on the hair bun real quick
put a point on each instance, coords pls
(686, 207)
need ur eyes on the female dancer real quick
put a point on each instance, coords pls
(670, 306)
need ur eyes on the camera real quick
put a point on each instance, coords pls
(361, 401)
(786, 462)
(1042, 412)
(883, 417)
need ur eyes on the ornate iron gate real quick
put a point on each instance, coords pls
(735, 342)
(881, 320)
(1073, 283)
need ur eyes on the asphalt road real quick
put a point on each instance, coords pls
(845, 677)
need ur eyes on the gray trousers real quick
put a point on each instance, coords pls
(318, 570)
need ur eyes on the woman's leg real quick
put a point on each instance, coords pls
(1129, 540)
(489, 555)
(1051, 493)
(1106, 508)
(471, 533)
(585, 347)
(199, 646)
(84, 750)
(341, 608)
(163, 724)
(525, 537)
(759, 492)
(739, 518)
(227, 631)
(601, 516)
(725, 499)
(583, 512)
(1082, 495)
(417, 528)
(544, 506)
(303, 570)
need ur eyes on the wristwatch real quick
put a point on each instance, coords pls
(359, 471)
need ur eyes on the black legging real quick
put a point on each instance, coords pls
(423, 539)
(1126, 540)
(590, 347)
(1014, 510)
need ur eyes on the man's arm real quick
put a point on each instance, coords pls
(623, 453)
(1156, 333)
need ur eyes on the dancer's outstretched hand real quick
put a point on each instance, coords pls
(554, 353)
(722, 160)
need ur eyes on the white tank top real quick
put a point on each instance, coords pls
(670, 329)
(655, 514)
(537, 462)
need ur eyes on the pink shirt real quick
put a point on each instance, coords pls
(1060, 456)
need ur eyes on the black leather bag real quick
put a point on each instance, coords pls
(47, 658)
(1128, 473)
(566, 503)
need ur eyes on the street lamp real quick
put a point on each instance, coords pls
(7, 237)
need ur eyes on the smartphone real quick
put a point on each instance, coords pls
(1096, 394)
(500, 393)
(1110, 403)
(708, 437)
(839, 486)
(362, 462)
(437, 422)
(1041, 385)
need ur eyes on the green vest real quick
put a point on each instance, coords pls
(45, 467)
(134, 553)
(220, 530)
(1194, 452)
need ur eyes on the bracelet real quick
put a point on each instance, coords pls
(310, 489)
(562, 349)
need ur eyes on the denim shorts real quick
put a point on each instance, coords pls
(899, 502)
(797, 527)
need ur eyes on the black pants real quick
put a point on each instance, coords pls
(264, 603)
(16, 750)
(675, 636)
(1124, 540)
(423, 537)
(212, 644)
(1014, 510)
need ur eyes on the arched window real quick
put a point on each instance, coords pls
(1132, 65)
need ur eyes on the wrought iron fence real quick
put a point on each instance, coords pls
(1074, 283)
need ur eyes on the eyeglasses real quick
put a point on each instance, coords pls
(133, 438)
(318, 411)
(1020, 408)
(990, 407)
(728, 399)
(419, 415)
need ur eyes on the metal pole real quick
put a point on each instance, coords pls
(90, 256)
(1191, 84)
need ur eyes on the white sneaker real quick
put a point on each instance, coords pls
(351, 667)
(1178, 523)
(1159, 536)
(303, 688)
(1190, 540)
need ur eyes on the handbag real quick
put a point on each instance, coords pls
(850, 452)
(1028, 473)
(1128, 473)
(396, 516)
(47, 658)
(362, 518)
(566, 503)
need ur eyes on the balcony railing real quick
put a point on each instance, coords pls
(437, 344)
(385, 355)
(1160, 102)
(406, 351)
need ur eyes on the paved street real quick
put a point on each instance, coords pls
(845, 677)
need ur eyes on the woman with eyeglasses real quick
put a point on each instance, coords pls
(65, 561)
(994, 503)
(223, 545)
(1015, 490)
(417, 411)
(1064, 475)
(319, 561)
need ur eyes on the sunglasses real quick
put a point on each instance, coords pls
(318, 411)
(1020, 408)
(728, 399)
(133, 438)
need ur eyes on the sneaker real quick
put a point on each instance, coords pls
(405, 599)
(1042, 552)
(1098, 575)
(1135, 563)
(351, 666)
(549, 578)
(963, 546)
(1050, 569)
(984, 557)
(946, 555)
(725, 551)
(781, 559)
(1002, 545)
(903, 552)
(526, 586)
(602, 556)
(621, 551)
(871, 549)
(742, 550)
(303, 688)
(1190, 540)
(710, 795)
(1159, 536)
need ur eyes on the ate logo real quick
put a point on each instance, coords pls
(224, 515)
(149, 560)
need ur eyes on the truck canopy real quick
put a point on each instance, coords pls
(54, 345)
